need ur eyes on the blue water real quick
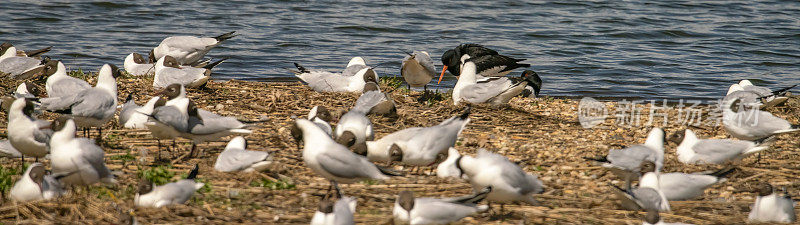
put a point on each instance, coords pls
(632, 49)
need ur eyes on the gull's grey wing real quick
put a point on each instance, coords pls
(170, 115)
(169, 75)
(484, 90)
(42, 136)
(212, 123)
(18, 65)
(630, 158)
(367, 100)
(178, 192)
(348, 166)
(720, 150)
(325, 81)
(94, 155)
(68, 86)
(758, 123)
(94, 103)
(648, 198)
(682, 186)
(235, 160)
(437, 211)
(189, 43)
(352, 70)
(425, 60)
(761, 91)
(524, 182)
(142, 69)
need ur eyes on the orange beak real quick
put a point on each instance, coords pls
(444, 68)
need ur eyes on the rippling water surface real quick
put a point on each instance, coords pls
(631, 49)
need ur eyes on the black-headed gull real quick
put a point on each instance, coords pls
(236, 157)
(685, 186)
(188, 50)
(770, 97)
(378, 150)
(18, 67)
(168, 71)
(625, 162)
(339, 213)
(429, 145)
(771, 206)
(493, 90)
(331, 160)
(151, 195)
(37, 53)
(324, 81)
(60, 84)
(81, 158)
(36, 184)
(747, 122)
(136, 65)
(693, 150)
(133, 116)
(411, 210)
(91, 107)
(508, 181)
(28, 90)
(28, 135)
(418, 69)
(373, 101)
(648, 195)
(354, 128)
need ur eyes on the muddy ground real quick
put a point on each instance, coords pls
(542, 135)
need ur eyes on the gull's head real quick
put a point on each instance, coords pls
(326, 206)
(145, 186)
(647, 166)
(172, 91)
(347, 139)
(297, 132)
(652, 217)
(763, 189)
(678, 137)
(406, 200)
(137, 58)
(320, 112)
(36, 172)
(745, 83)
(368, 74)
(395, 153)
(4, 47)
(32, 88)
(151, 58)
(51, 67)
(361, 148)
(371, 86)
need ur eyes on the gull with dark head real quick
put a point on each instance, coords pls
(60, 84)
(36, 184)
(236, 157)
(339, 213)
(693, 150)
(508, 182)
(153, 196)
(412, 210)
(324, 81)
(28, 135)
(188, 50)
(771, 206)
(18, 67)
(648, 195)
(81, 158)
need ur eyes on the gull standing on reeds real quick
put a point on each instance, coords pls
(133, 116)
(171, 118)
(411, 210)
(236, 157)
(28, 135)
(508, 181)
(188, 50)
(625, 162)
(648, 195)
(151, 195)
(92, 107)
(324, 81)
(60, 84)
(18, 67)
(430, 145)
(417, 69)
(493, 90)
(771, 206)
(692, 150)
(321, 116)
(339, 213)
(35, 184)
(745, 121)
(683, 186)
(81, 158)
(331, 160)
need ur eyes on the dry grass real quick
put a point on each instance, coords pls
(542, 135)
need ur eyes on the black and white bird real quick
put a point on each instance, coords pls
(771, 206)
(494, 90)
(625, 162)
(18, 67)
(27, 134)
(150, 195)
(412, 210)
(321, 116)
(427, 146)
(648, 195)
(339, 213)
(188, 50)
(81, 158)
(60, 84)
(36, 184)
(236, 157)
(508, 181)
(495, 65)
(747, 122)
(324, 81)
(37, 53)
(693, 150)
(133, 116)
(136, 65)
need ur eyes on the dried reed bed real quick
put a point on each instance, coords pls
(542, 135)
